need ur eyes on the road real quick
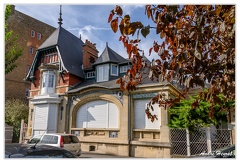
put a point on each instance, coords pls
(98, 155)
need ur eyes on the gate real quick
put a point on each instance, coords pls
(204, 140)
(23, 131)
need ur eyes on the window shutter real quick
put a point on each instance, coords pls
(40, 117)
(139, 114)
(81, 121)
(52, 118)
(156, 123)
(112, 115)
(140, 118)
(97, 114)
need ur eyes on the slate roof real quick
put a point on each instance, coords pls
(70, 48)
(110, 84)
(109, 55)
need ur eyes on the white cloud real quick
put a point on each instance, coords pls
(129, 9)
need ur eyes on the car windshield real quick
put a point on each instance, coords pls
(34, 139)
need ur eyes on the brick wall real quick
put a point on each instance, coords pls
(22, 25)
(90, 54)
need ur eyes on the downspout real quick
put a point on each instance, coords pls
(67, 130)
(129, 124)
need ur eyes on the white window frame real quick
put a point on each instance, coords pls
(32, 33)
(103, 73)
(91, 74)
(114, 65)
(39, 36)
(123, 69)
(48, 82)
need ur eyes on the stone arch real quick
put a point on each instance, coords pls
(92, 97)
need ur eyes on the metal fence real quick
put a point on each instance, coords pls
(185, 143)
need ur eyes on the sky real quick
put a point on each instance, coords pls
(89, 19)
(90, 22)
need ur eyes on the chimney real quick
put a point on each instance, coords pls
(90, 54)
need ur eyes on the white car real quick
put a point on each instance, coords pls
(67, 141)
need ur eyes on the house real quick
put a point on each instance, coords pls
(31, 34)
(75, 91)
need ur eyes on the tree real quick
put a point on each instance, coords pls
(197, 47)
(185, 115)
(15, 111)
(12, 51)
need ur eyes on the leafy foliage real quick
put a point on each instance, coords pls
(12, 51)
(197, 47)
(186, 115)
(15, 111)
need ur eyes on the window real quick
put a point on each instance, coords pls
(113, 134)
(91, 74)
(76, 132)
(140, 118)
(31, 114)
(123, 69)
(27, 92)
(48, 82)
(31, 50)
(32, 33)
(49, 58)
(114, 69)
(61, 113)
(97, 114)
(102, 73)
(39, 36)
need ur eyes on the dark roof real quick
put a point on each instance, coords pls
(70, 48)
(111, 84)
(109, 55)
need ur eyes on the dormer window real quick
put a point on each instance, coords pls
(49, 58)
(91, 74)
(123, 69)
(102, 73)
(114, 69)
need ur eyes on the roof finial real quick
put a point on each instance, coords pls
(106, 43)
(60, 18)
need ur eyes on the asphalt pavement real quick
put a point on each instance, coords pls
(99, 155)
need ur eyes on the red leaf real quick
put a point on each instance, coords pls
(156, 48)
(119, 81)
(110, 16)
(114, 25)
(150, 51)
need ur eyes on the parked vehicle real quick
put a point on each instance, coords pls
(35, 151)
(225, 152)
(67, 141)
